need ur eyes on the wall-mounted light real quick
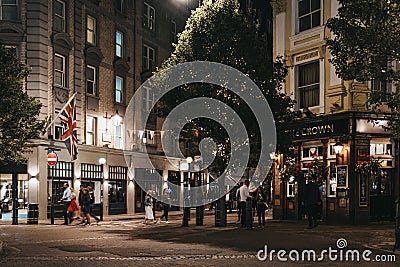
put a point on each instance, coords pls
(102, 161)
(338, 147)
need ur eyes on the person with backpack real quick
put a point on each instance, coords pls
(91, 195)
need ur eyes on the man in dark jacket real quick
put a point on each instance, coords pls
(311, 200)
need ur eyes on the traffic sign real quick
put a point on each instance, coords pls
(52, 159)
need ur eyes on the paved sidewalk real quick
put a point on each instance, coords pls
(126, 241)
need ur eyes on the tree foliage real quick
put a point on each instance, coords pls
(18, 111)
(365, 46)
(221, 32)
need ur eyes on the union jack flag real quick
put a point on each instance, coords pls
(68, 121)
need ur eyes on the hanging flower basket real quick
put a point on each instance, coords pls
(369, 166)
(317, 171)
(290, 169)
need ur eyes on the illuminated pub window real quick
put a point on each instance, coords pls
(91, 175)
(332, 183)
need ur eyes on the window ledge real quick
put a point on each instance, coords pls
(306, 38)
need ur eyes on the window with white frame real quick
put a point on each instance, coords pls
(309, 14)
(332, 179)
(148, 98)
(91, 84)
(8, 10)
(308, 84)
(173, 37)
(148, 58)
(91, 126)
(118, 137)
(119, 89)
(59, 70)
(91, 30)
(119, 44)
(380, 149)
(59, 16)
(149, 17)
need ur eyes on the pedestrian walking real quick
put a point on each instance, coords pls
(80, 202)
(86, 205)
(92, 201)
(246, 205)
(73, 207)
(238, 206)
(261, 199)
(66, 202)
(311, 200)
(148, 207)
(166, 206)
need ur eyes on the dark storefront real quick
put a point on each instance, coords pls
(92, 175)
(62, 172)
(152, 180)
(350, 194)
(117, 185)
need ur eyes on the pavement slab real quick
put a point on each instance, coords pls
(129, 242)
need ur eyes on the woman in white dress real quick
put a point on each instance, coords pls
(148, 208)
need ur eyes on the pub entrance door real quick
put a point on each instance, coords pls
(382, 206)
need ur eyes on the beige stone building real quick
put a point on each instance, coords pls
(102, 51)
(335, 111)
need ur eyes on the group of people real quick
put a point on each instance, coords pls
(249, 204)
(82, 210)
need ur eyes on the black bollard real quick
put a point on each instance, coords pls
(199, 215)
(186, 214)
(397, 225)
(101, 211)
(52, 213)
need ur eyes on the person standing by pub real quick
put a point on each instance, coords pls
(311, 200)
(244, 196)
(66, 202)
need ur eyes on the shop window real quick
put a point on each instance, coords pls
(291, 188)
(91, 175)
(332, 183)
(149, 16)
(381, 149)
(117, 189)
(309, 14)
(8, 10)
(91, 30)
(308, 85)
(311, 152)
(59, 20)
(91, 171)
(148, 58)
(57, 175)
(91, 131)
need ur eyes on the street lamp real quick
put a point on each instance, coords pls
(186, 208)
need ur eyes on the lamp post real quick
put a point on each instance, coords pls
(186, 208)
(102, 161)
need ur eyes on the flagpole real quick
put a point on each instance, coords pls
(58, 115)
